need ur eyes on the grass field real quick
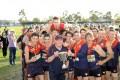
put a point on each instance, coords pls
(10, 72)
(16, 28)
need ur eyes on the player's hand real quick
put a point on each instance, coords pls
(70, 53)
(100, 63)
(33, 59)
(56, 54)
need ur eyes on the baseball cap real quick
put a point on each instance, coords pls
(58, 37)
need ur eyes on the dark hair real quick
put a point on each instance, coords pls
(29, 29)
(68, 32)
(101, 29)
(34, 34)
(44, 32)
(61, 32)
(55, 18)
(88, 34)
(83, 29)
(95, 29)
(116, 29)
(5, 33)
(55, 30)
(46, 35)
(111, 30)
(75, 32)
(36, 27)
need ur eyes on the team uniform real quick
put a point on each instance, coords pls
(93, 58)
(35, 68)
(61, 27)
(112, 65)
(102, 43)
(81, 63)
(44, 54)
(55, 67)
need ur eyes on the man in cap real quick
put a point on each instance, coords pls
(55, 63)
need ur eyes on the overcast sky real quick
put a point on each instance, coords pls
(9, 9)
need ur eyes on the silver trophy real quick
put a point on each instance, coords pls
(63, 57)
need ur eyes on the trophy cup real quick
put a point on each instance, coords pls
(63, 57)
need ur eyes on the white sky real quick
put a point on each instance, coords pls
(9, 9)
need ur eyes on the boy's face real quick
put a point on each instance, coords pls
(34, 39)
(59, 42)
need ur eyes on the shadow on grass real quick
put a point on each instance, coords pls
(7, 59)
(11, 72)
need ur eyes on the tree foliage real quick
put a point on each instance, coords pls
(22, 15)
(117, 17)
(36, 19)
(108, 16)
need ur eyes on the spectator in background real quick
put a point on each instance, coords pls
(5, 42)
(12, 46)
(0, 40)
(95, 32)
(37, 29)
(83, 32)
(6, 30)
(76, 28)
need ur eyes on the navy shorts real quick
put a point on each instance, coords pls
(53, 76)
(113, 69)
(80, 72)
(46, 68)
(95, 73)
(45, 65)
(71, 64)
(103, 70)
(35, 69)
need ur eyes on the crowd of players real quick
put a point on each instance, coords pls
(92, 53)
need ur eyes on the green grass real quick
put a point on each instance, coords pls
(10, 72)
(17, 29)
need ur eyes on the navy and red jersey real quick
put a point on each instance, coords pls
(116, 49)
(35, 50)
(104, 47)
(102, 43)
(93, 57)
(61, 27)
(81, 49)
(44, 52)
(56, 65)
(35, 68)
